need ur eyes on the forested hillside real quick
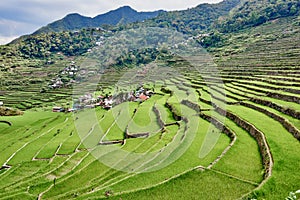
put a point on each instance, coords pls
(191, 21)
(255, 12)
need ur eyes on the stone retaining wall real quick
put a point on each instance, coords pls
(257, 135)
(285, 123)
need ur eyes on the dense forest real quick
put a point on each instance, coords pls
(206, 22)
(192, 21)
(253, 13)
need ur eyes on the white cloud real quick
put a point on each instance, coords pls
(25, 16)
(7, 39)
(11, 28)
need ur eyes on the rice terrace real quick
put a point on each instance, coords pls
(202, 103)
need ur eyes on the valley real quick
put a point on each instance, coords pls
(184, 122)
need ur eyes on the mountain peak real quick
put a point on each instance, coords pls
(75, 21)
(126, 7)
(72, 14)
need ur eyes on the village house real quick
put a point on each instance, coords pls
(66, 78)
(57, 109)
(143, 97)
(108, 101)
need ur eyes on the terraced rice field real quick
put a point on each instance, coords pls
(192, 140)
(230, 135)
(23, 90)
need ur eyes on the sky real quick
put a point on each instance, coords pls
(20, 17)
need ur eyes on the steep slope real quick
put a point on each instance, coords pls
(124, 15)
(259, 65)
(44, 41)
(194, 20)
(255, 12)
(70, 22)
(76, 21)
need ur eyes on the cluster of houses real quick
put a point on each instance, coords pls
(140, 94)
(70, 70)
(107, 101)
(56, 83)
(69, 73)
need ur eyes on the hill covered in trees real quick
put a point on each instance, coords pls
(255, 12)
(206, 21)
(191, 21)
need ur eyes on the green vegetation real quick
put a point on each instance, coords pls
(193, 21)
(153, 149)
(69, 43)
(253, 13)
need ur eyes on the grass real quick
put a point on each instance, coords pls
(171, 156)
(246, 151)
(57, 141)
(206, 185)
(292, 120)
(41, 146)
(285, 159)
(144, 118)
(187, 161)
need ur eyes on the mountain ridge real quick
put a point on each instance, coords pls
(197, 19)
(75, 21)
(200, 22)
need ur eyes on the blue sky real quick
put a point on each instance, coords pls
(19, 17)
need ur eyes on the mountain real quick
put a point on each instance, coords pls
(74, 21)
(194, 20)
(124, 15)
(209, 22)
